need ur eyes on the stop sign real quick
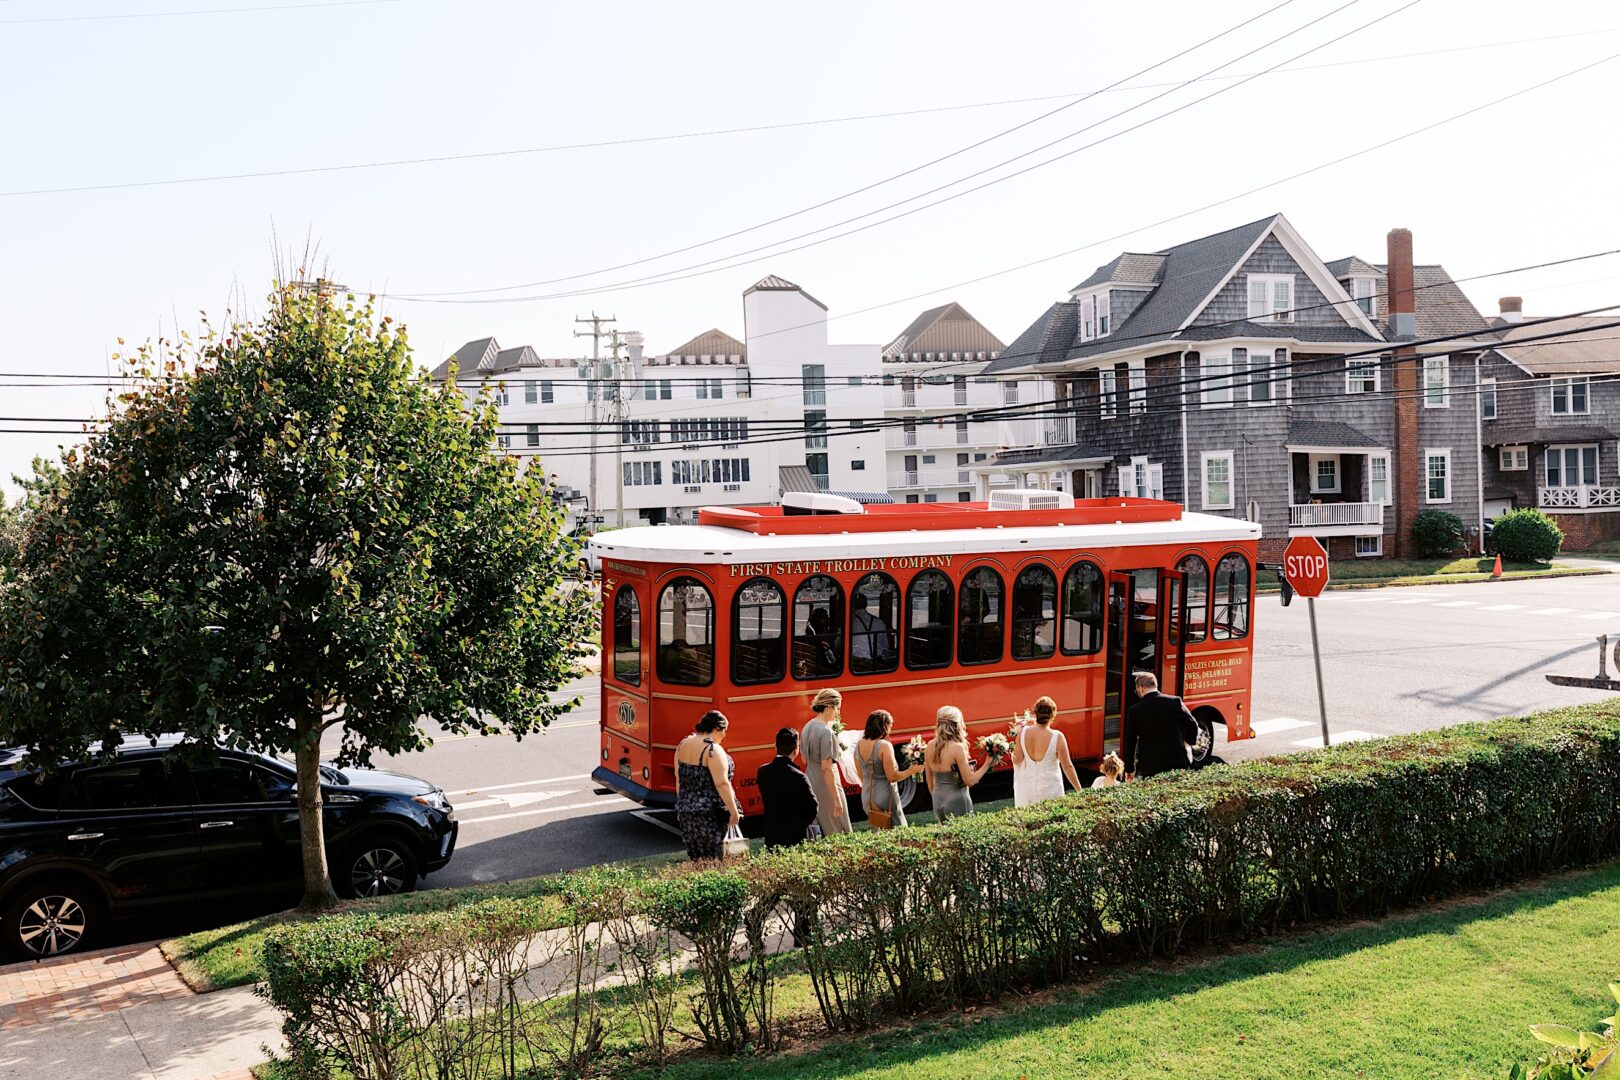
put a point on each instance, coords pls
(1305, 565)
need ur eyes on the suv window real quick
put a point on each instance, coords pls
(238, 782)
(37, 791)
(134, 785)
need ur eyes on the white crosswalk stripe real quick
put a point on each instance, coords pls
(1414, 600)
(1459, 603)
(1551, 611)
(1600, 615)
(1337, 737)
(1502, 607)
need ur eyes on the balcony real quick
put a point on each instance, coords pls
(1336, 518)
(1581, 497)
(932, 476)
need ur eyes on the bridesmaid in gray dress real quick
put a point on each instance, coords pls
(950, 771)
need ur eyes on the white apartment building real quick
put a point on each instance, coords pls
(714, 422)
(933, 372)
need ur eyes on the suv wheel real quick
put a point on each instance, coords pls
(379, 865)
(49, 919)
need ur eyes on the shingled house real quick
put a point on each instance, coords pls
(1550, 415)
(1241, 375)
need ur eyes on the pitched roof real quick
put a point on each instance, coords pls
(1128, 268)
(1442, 307)
(1587, 350)
(711, 343)
(1047, 339)
(944, 329)
(772, 283)
(1542, 433)
(478, 354)
(1343, 268)
(1046, 455)
(1328, 433)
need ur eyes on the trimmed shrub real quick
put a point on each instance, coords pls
(1526, 535)
(904, 921)
(1436, 534)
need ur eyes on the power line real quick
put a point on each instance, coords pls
(708, 267)
(917, 370)
(788, 125)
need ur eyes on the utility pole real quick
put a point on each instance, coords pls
(591, 390)
(621, 411)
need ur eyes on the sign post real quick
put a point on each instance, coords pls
(1305, 565)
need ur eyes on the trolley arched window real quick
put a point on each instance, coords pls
(929, 607)
(1034, 614)
(980, 622)
(1231, 598)
(818, 619)
(1194, 599)
(874, 613)
(1082, 610)
(686, 633)
(758, 633)
(627, 636)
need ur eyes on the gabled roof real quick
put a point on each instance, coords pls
(1328, 433)
(944, 329)
(1353, 267)
(1046, 341)
(478, 354)
(772, 283)
(1441, 306)
(1591, 347)
(711, 343)
(522, 356)
(1129, 268)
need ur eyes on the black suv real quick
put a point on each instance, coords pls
(94, 842)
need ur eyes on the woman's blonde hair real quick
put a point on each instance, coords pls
(827, 699)
(1045, 710)
(949, 725)
(1112, 766)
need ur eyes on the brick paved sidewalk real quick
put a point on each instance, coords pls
(86, 984)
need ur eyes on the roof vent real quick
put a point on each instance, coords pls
(818, 502)
(1030, 499)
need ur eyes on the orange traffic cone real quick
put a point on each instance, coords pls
(1496, 571)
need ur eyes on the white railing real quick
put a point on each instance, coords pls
(1582, 497)
(908, 399)
(1327, 515)
(1059, 431)
(940, 476)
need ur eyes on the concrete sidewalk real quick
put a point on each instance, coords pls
(124, 1014)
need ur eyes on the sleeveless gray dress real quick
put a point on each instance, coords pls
(951, 797)
(877, 790)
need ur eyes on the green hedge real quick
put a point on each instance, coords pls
(915, 919)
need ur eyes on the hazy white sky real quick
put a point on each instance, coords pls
(95, 101)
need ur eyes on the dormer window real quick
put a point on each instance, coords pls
(1364, 291)
(1094, 321)
(1271, 297)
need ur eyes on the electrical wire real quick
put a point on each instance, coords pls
(708, 267)
(197, 11)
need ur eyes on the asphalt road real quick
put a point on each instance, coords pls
(1394, 660)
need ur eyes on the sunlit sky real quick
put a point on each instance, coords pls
(210, 89)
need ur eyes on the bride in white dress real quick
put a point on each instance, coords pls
(1041, 759)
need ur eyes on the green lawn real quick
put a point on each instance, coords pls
(1442, 994)
(1354, 573)
(230, 955)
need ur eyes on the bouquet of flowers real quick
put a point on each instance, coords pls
(912, 753)
(997, 745)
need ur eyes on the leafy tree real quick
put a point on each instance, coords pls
(288, 529)
(1526, 535)
(10, 529)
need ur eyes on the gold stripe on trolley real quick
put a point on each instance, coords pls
(661, 696)
(857, 687)
(1211, 697)
(1216, 652)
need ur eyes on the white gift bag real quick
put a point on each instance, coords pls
(735, 844)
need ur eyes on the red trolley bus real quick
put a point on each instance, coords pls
(910, 607)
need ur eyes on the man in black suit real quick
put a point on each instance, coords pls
(790, 804)
(1158, 731)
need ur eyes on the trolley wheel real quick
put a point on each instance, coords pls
(1204, 747)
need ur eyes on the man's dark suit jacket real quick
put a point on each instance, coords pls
(1158, 730)
(790, 805)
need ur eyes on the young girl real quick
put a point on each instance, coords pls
(1112, 769)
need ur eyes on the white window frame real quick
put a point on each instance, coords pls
(1215, 381)
(1108, 393)
(1357, 369)
(1270, 310)
(1373, 496)
(1225, 457)
(1430, 453)
(531, 435)
(1088, 318)
(1273, 376)
(1561, 450)
(1141, 479)
(1377, 546)
(1443, 365)
(1104, 323)
(1314, 474)
(1365, 288)
(1515, 458)
(1136, 374)
(1487, 394)
(1567, 383)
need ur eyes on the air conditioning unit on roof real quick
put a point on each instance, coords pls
(1030, 499)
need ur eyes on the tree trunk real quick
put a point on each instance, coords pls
(318, 893)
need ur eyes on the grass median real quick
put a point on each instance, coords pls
(231, 955)
(1365, 573)
(1448, 992)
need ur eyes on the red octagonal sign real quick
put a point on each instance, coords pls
(1305, 565)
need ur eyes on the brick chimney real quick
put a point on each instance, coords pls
(1406, 466)
(1511, 309)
